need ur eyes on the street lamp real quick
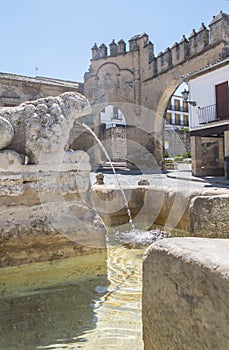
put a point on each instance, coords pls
(185, 94)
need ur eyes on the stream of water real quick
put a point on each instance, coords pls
(113, 169)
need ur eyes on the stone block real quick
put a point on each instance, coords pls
(185, 294)
(80, 158)
(6, 133)
(11, 185)
(10, 160)
(209, 216)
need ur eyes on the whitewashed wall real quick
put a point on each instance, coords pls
(202, 90)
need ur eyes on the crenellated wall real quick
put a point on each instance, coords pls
(197, 42)
(135, 76)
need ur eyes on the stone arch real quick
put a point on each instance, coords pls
(108, 83)
(175, 114)
(141, 136)
(112, 132)
(114, 64)
(151, 80)
(166, 96)
(141, 130)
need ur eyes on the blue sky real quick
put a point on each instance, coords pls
(56, 36)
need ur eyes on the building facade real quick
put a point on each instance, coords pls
(15, 89)
(209, 120)
(176, 129)
(177, 113)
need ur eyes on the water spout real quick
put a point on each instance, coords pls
(114, 171)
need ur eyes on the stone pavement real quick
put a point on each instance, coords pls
(184, 173)
(187, 175)
(175, 178)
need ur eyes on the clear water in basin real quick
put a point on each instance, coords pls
(90, 302)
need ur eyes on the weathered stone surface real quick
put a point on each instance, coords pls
(48, 231)
(6, 133)
(80, 158)
(47, 215)
(46, 207)
(42, 127)
(10, 160)
(11, 185)
(61, 182)
(185, 294)
(209, 216)
(76, 157)
(161, 205)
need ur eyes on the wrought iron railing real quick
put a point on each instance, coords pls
(207, 114)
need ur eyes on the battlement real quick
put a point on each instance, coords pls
(197, 42)
(136, 43)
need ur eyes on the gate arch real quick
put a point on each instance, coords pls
(141, 84)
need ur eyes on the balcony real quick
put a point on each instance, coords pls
(178, 108)
(207, 114)
(213, 113)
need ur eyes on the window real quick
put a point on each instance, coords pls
(169, 118)
(116, 113)
(186, 120)
(185, 105)
(177, 105)
(177, 119)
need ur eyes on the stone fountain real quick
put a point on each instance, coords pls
(46, 208)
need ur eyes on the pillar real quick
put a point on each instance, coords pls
(226, 153)
(196, 155)
(221, 152)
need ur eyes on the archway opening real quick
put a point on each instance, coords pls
(176, 129)
(112, 132)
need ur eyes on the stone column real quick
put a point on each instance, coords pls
(221, 152)
(196, 155)
(226, 154)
